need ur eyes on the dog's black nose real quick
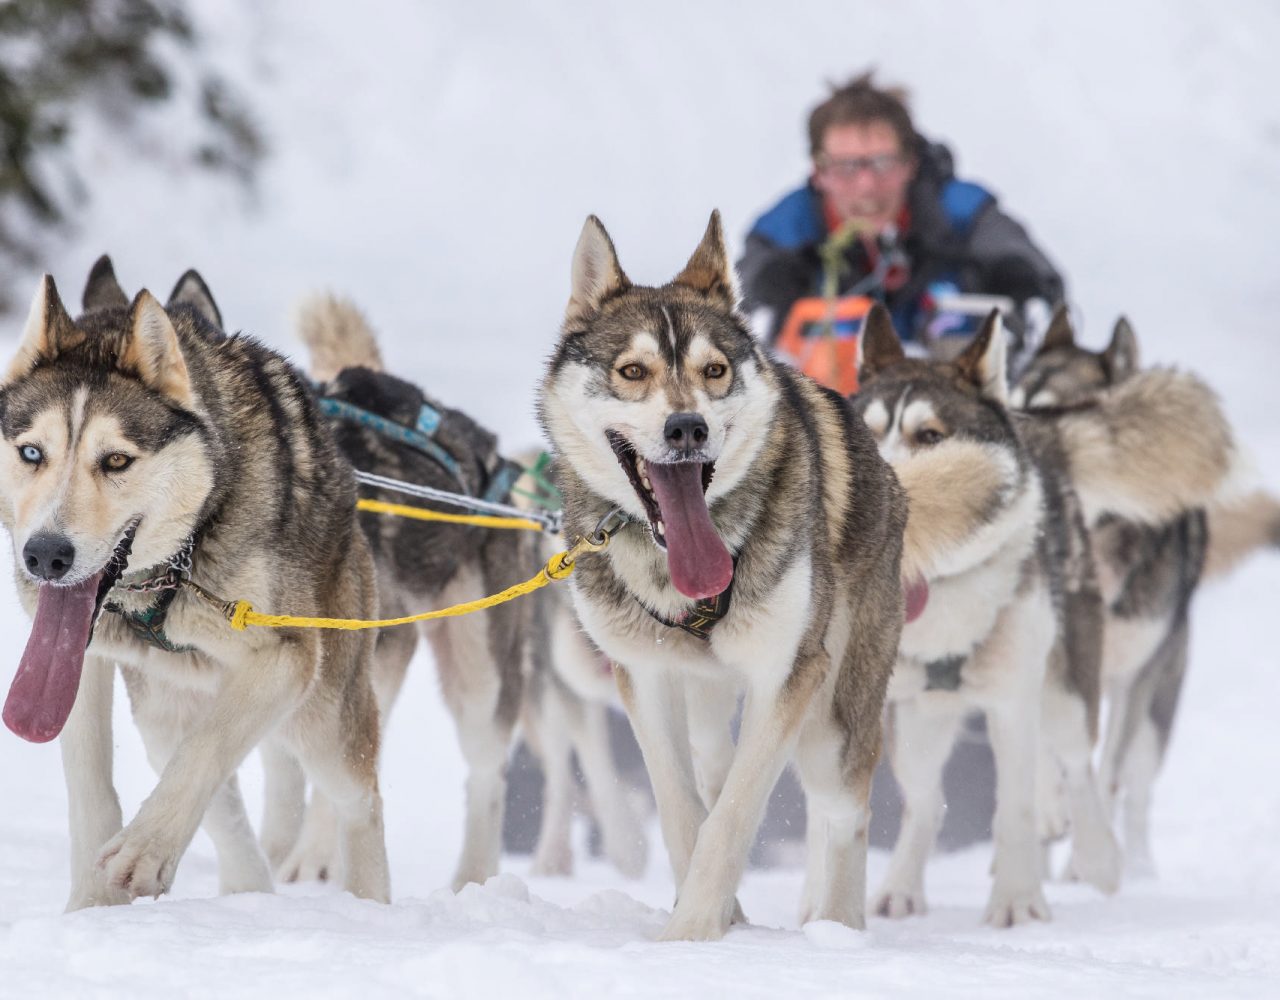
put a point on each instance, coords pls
(685, 431)
(49, 556)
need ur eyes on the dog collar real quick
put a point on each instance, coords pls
(148, 624)
(699, 620)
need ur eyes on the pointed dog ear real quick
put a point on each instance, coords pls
(102, 290)
(151, 349)
(1121, 355)
(192, 291)
(597, 275)
(984, 362)
(1060, 333)
(49, 331)
(878, 343)
(709, 271)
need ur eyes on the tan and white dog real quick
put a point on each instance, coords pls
(758, 556)
(1007, 616)
(1148, 573)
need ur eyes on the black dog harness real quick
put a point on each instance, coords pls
(148, 624)
(497, 481)
(705, 614)
(699, 620)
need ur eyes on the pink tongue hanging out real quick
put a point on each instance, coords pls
(700, 564)
(44, 688)
(916, 596)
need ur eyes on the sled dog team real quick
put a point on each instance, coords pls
(831, 575)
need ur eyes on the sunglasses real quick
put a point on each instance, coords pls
(880, 165)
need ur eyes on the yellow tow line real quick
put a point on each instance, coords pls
(241, 614)
(422, 514)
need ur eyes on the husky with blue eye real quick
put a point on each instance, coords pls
(149, 460)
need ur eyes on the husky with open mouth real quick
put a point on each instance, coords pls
(1009, 612)
(148, 462)
(496, 669)
(758, 554)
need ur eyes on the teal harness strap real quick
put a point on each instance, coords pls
(501, 481)
(148, 625)
(428, 419)
(546, 496)
(419, 438)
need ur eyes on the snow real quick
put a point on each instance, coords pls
(436, 162)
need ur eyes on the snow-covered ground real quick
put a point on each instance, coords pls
(436, 162)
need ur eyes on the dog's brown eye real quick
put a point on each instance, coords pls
(632, 372)
(714, 370)
(927, 436)
(117, 461)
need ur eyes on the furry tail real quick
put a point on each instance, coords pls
(1156, 445)
(1238, 527)
(337, 335)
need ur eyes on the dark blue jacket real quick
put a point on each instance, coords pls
(958, 239)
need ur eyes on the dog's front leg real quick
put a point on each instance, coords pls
(654, 699)
(770, 724)
(1016, 895)
(92, 803)
(254, 694)
(920, 741)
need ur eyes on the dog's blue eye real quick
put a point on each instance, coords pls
(31, 454)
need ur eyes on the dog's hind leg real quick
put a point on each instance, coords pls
(241, 864)
(550, 733)
(837, 811)
(93, 805)
(164, 716)
(392, 652)
(583, 678)
(1152, 704)
(620, 828)
(339, 751)
(921, 736)
(1095, 854)
(654, 699)
(284, 796)
(304, 836)
(479, 660)
(316, 857)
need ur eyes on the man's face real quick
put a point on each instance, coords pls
(863, 172)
